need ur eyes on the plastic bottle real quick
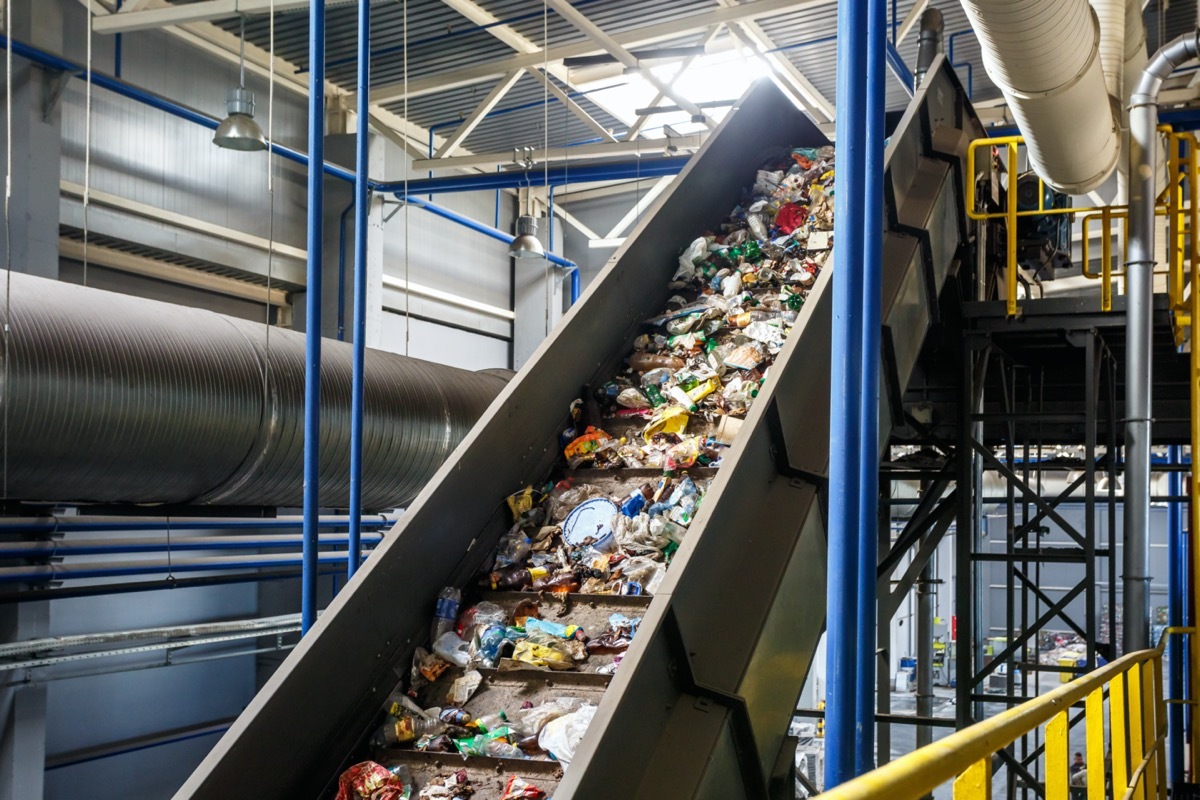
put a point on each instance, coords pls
(405, 729)
(644, 362)
(455, 716)
(490, 722)
(566, 582)
(498, 748)
(512, 578)
(446, 613)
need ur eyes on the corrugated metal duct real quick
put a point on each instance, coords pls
(1044, 57)
(111, 398)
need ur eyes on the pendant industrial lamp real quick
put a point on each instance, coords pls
(239, 131)
(527, 245)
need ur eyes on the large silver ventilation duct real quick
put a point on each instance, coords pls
(111, 398)
(930, 43)
(1043, 55)
(1143, 155)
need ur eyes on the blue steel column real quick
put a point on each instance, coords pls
(312, 323)
(845, 389)
(868, 407)
(361, 182)
(1177, 594)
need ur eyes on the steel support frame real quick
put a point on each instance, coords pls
(1029, 609)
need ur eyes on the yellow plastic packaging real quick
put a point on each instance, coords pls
(669, 419)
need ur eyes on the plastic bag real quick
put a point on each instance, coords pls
(645, 572)
(669, 419)
(562, 736)
(426, 668)
(632, 398)
(765, 332)
(530, 721)
(520, 789)
(485, 613)
(731, 285)
(513, 548)
(539, 655)
(453, 649)
(374, 781)
(464, 688)
(635, 533)
(687, 260)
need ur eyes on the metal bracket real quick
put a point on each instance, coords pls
(52, 91)
(744, 745)
(779, 449)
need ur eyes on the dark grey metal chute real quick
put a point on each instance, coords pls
(112, 398)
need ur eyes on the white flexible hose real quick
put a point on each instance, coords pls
(1044, 57)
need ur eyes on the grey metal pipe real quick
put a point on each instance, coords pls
(930, 43)
(925, 652)
(112, 398)
(1143, 156)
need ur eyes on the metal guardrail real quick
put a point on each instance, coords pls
(1136, 740)
(1182, 218)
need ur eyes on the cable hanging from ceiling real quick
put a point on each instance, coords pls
(87, 144)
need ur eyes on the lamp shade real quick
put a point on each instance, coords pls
(239, 131)
(526, 245)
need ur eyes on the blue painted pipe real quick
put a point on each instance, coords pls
(341, 305)
(554, 176)
(59, 549)
(312, 322)
(868, 407)
(59, 572)
(117, 45)
(51, 525)
(896, 62)
(574, 285)
(966, 64)
(360, 286)
(845, 390)
(1177, 598)
(478, 227)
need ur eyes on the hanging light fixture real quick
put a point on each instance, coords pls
(526, 245)
(239, 131)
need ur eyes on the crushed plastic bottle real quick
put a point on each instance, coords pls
(446, 613)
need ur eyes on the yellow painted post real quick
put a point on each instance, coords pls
(976, 782)
(1057, 758)
(1159, 693)
(1105, 259)
(1194, 480)
(1149, 729)
(1118, 728)
(1136, 722)
(1011, 229)
(1173, 198)
(1094, 720)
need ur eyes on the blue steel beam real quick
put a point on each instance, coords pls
(312, 321)
(845, 390)
(358, 366)
(105, 569)
(868, 406)
(1177, 598)
(650, 167)
(478, 227)
(896, 63)
(98, 547)
(51, 525)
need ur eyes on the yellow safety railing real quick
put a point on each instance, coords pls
(1136, 741)
(1182, 219)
